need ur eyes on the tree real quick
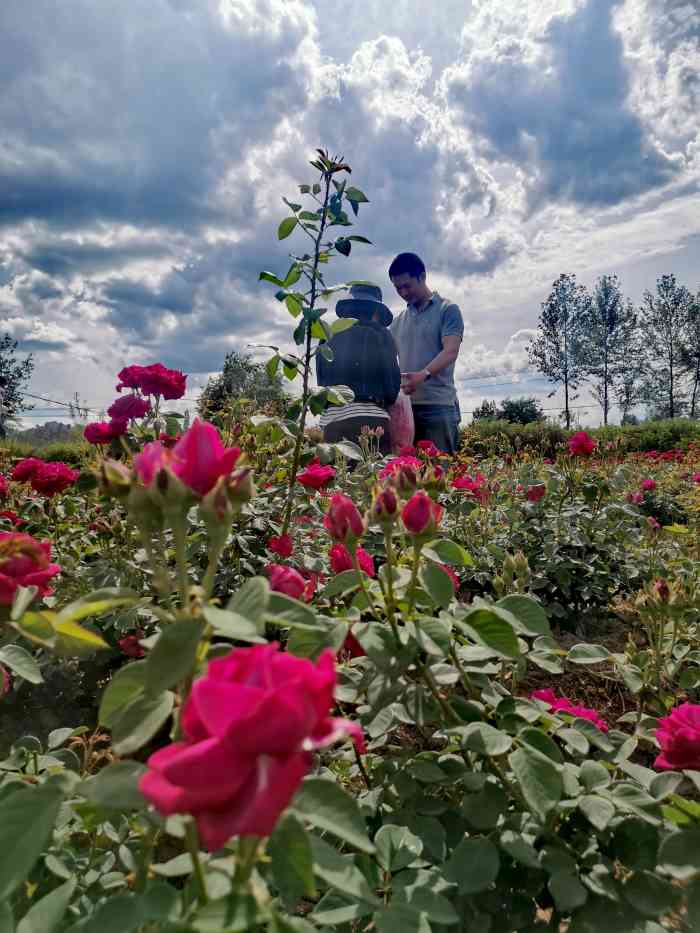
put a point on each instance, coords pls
(520, 410)
(241, 378)
(664, 324)
(691, 356)
(14, 374)
(557, 350)
(607, 339)
(487, 411)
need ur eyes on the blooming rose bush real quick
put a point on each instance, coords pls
(156, 380)
(24, 561)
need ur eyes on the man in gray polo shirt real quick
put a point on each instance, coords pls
(428, 335)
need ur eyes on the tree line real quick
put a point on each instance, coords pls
(648, 355)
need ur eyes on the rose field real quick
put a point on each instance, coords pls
(255, 682)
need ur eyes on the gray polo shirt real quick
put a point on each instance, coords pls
(419, 338)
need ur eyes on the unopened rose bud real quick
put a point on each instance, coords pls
(343, 521)
(406, 479)
(662, 590)
(216, 508)
(421, 515)
(522, 567)
(509, 569)
(499, 586)
(385, 506)
(115, 479)
(240, 486)
(143, 511)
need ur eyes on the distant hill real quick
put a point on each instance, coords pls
(42, 434)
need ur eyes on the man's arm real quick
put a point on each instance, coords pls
(446, 356)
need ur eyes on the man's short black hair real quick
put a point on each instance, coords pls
(407, 264)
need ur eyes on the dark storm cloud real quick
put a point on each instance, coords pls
(568, 125)
(64, 257)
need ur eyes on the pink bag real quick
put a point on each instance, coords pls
(401, 423)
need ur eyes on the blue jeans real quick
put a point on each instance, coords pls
(439, 424)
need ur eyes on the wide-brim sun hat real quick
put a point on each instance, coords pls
(365, 300)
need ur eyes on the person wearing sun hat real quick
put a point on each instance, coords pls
(365, 359)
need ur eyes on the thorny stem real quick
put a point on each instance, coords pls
(307, 361)
(391, 603)
(180, 538)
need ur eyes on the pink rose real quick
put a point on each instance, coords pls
(129, 407)
(316, 476)
(636, 498)
(396, 465)
(53, 477)
(408, 450)
(662, 590)
(581, 444)
(4, 488)
(283, 545)
(564, 705)
(648, 485)
(653, 523)
(341, 560)
(421, 515)
(286, 580)
(198, 459)
(696, 477)
(153, 380)
(536, 493)
(25, 469)
(24, 561)
(679, 737)
(343, 521)
(250, 725)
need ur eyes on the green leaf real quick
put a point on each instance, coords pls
(116, 786)
(326, 806)
(285, 228)
(493, 631)
(293, 275)
(342, 583)
(342, 324)
(58, 736)
(7, 919)
(272, 366)
(587, 654)
(27, 819)
(126, 686)
(597, 810)
(283, 610)
(679, 854)
(401, 918)
(635, 844)
(437, 584)
(294, 305)
(485, 739)
(343, 245)
(360, 239)
(519, 849)
(233, 625)
(354, 194)
(128, 912)
(341, 872)
(23, 598)
(292, 861)
(539, 781)
(528, 612)
(567, 891)
(445, 551)
(252, 599)
(173, 656)
(21, 662)
(396, 847)
(473, 866)
(47, 913)
(140, 721)
(650, 895)
(97, 603)
(271, 277)
(349, 449)
(539, 741)
(309, 643)
(484, 810)
(593, 775)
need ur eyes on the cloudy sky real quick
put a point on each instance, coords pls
(146, 146)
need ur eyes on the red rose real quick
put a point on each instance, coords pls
(536, 493)
(662, 590)
(251, 725)
(341, 560)
(421, 515)
(283, 546)
(53, 477)
(351, 647)
(4, 488)
(398, 463)
(696, 477)
(428, 448)
(129, 407)
(648, 485)
(25, 469)
(131, 647)
(408, 450)
(316, 476)
(343, 521)
(12, 517)
(478, 486)
(198, 459)
(103, 432)
(286, 580)
(679, 737)
(581, 444)
(564, 705)
(153, 380)
(24, 561)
